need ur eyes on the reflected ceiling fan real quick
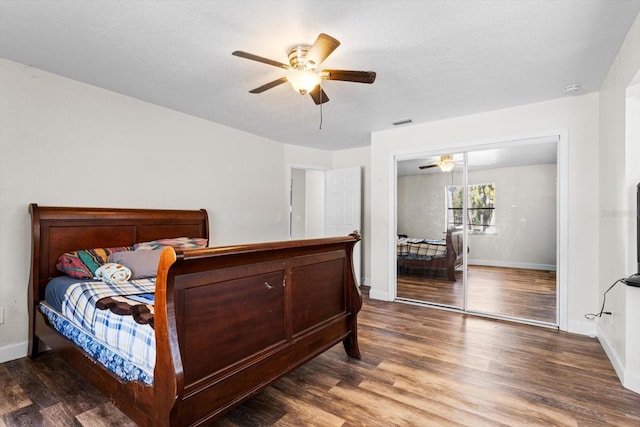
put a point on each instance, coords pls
(446, 163)
(303, 72)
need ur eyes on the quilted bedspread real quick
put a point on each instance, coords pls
(133, 341)
(421, 248)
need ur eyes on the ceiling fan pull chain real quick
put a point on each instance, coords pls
(321, 106)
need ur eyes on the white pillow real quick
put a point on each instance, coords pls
(112, 272)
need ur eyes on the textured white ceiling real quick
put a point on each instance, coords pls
(434, 59)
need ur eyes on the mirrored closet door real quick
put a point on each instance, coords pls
(512, 232)
(425, 227)
(477, 231)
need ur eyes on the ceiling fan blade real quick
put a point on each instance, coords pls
(269, 85)
(319, 96)
(253, 57)
(428, 166)
(322, 48)
(349, 76)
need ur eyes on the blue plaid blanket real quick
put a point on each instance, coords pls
(421, 248)
(131, 340)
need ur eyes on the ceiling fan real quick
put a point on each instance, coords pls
(446, 163)
(303, 72)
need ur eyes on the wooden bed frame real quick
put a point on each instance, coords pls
(444, 266)
(229, 321)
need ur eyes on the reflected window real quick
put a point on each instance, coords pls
(481, 208)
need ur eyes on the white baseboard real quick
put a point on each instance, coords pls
(611, 354)
(629, 380)
(13, 351)
(507, 264)
(379, 295)
(583, 328)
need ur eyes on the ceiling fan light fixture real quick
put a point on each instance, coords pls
(446, 163)
(303, 81)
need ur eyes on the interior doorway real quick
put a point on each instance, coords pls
(325, 203)
(306, 203)
(500, 204)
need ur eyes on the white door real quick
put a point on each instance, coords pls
(342, 207)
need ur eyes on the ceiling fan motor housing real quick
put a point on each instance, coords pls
(298, 58)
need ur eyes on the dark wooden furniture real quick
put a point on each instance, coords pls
(228, 321)
(444, 266)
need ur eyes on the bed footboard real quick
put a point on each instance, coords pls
(229, 321)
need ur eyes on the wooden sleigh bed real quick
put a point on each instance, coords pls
(431, 258)
(228, 321)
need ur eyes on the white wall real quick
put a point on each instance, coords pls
(619, 175)
(578, 116)
(421, 205)
(525, 218)
(631, 371)
(67, 143)
(525, 212)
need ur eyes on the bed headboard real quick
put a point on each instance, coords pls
(55, 230)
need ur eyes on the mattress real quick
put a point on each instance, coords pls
(117, 341)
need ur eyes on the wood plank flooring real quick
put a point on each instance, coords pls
(420, 367)
(514, 292)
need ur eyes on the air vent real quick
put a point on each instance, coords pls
(402, 122)
(571, 89)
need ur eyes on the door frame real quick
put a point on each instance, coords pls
(562, 185)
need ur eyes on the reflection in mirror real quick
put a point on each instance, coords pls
(512, 260)
(429, 256)
(506, 212)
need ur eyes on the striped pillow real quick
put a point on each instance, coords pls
(82, 264)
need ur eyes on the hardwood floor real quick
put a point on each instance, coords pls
(514, 292)
(420, 367)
